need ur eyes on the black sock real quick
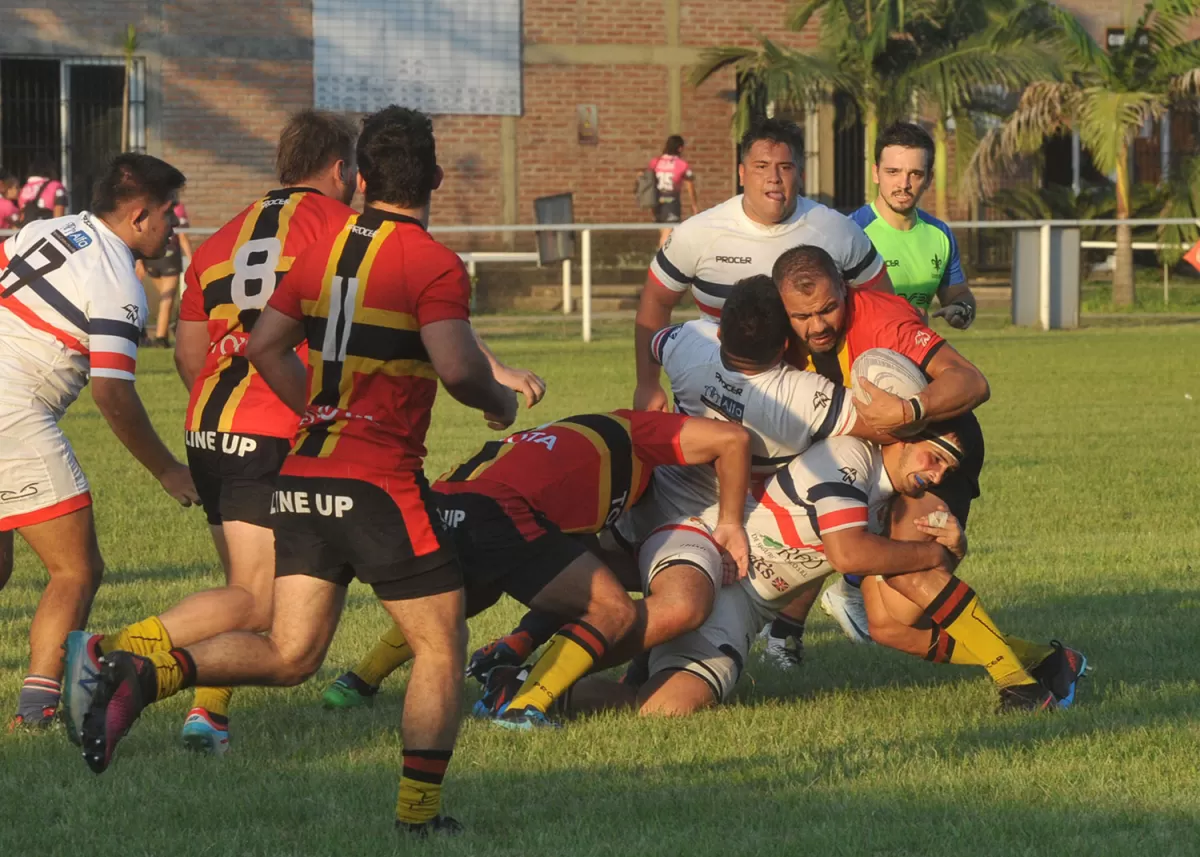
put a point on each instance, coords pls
(783, 627)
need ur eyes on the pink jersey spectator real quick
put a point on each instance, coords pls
(9, 213)
(44, 193)
(671, 171)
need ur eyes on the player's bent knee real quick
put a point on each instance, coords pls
(676, 693)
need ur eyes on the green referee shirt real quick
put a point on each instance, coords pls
(920, 261)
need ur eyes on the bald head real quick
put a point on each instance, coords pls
(805, 268)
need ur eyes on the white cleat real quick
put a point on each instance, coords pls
(844, 604)
(781, 656)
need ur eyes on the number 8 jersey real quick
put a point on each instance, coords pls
(231, 278)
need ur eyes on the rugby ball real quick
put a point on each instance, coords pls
(889, 371)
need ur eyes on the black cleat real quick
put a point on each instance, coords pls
(116, 705)
(439, 824)
(1060, 671)
(1026, 697)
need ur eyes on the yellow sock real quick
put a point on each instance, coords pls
(419, 798)
(174, 671)
(385, 657)
(141, 638)
(1031, 654)
(214, 700)
(957, 610)
(571, 653)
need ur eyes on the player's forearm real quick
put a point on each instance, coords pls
(860, 552)
(955, 391)
(285, 374)
(474, 385)
(121, 407)
(652, 316)
(733, 476)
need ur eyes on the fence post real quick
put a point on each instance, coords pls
(585, 263)
(1166, 287)
(566, 266)
(1044, 277)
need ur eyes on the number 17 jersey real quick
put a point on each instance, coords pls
(231, 278)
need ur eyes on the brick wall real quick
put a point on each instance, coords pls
(224, 74)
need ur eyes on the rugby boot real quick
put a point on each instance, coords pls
(81, 670)
(117, 702)
(499, 689)
(844, 604)
(1026, 697)
(510, 650)
(202, 733)
(1060, 671)
(349, 691)
(442, 825)
(525, 720)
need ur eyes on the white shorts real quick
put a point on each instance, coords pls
(716, 652)
(39, 477)
(686, 540)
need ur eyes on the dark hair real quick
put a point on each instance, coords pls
(6, 177)
(776, 131)
(802, 267)
(674, 145)
(966, 430)
(43, 166)
(754, 323)
(397, 157)
(907, 135)
(133, 176)
(311, 141)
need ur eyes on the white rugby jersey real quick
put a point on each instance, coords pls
(710, 252)
(784, 410)
(70, 304)
(836, 484)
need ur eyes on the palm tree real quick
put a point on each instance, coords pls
(894, 59)
(1106, 99)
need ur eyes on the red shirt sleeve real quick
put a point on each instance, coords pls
(656, 436)
(887, 321)
(448, 295)
(191, 308)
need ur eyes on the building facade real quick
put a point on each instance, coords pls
(213, 81)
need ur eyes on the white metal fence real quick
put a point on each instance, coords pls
(587, 230)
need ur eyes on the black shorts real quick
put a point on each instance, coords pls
(235, 474)
(959, 488)
(668, 210)
(340, 529)
(170, 265)
(505, 546)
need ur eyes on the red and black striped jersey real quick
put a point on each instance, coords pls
(231, 278)
(580, 472)
(363, 293)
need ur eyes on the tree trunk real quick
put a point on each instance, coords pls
(1123, 294)
(939, 168)
(870, 132)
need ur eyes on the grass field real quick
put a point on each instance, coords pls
(1087, 531)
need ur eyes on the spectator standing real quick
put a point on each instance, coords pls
(10, 188)
(164, 273)
(43, 195)
(672, 174)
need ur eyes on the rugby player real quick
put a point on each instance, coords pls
(71, 307)
(734, 371)
(835, 325)
(384, 310)
(920, 251)
(823, 514)
(237, 431)
(744, 236)
(517, 509)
